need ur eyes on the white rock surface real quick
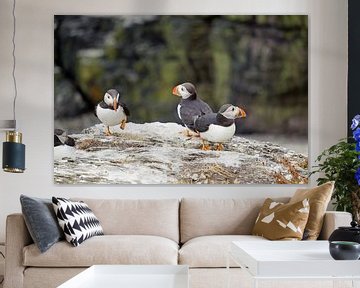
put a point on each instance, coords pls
(158, 153)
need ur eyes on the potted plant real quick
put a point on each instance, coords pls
(341, 163)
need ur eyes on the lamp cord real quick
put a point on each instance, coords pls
(14, 60)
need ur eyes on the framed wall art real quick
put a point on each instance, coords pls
(185, 99)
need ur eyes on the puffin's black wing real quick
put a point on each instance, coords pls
(202, 123)
(188, 113)
(59, 135)
(190, 109)
(61, 138)
(205, 108)
(57, 141)
(126, 109)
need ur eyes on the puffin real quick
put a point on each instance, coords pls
(64, 145)
(61, 138)
(218, 127)
(190, 106)
(112, 112)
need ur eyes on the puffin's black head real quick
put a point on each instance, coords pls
(111, 98)
(184, 90)
(232, 112)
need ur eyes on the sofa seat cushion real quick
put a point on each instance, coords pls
(211, 251)
(107, 249)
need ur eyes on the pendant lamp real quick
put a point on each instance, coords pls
(13, 149)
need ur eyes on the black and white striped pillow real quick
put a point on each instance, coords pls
(77, 220)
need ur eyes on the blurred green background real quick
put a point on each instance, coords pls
(257, 62)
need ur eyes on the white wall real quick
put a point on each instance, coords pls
(328, 66)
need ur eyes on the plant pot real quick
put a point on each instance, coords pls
(351, 233)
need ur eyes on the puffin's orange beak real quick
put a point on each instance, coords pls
(175, 91)
(115, 104)
(241, 113)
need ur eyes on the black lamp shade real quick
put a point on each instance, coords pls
(13, 157)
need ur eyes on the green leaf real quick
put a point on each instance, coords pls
(339, 163)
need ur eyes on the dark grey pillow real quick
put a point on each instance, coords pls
(41, 221)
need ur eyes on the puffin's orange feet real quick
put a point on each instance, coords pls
(219, 147)
(123, 124)
(107, 131)
(205, 147)
(188, 133)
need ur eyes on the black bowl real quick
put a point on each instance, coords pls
(344, 250)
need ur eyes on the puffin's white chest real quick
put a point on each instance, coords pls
(178, 111)
(218, 134)
(110, 117)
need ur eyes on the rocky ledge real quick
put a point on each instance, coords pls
(159, 153)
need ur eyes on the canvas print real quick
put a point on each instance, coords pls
(181, 99)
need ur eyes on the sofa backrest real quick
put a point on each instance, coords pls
(159, 217)
(200, 217)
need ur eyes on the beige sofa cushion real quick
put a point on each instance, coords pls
(137, 217)
(107, 249)
(333, 220)
(200, 217)
(211, 251)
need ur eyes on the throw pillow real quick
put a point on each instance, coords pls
(41, 222)
(319, 198)
(77, 220)
(279, 221)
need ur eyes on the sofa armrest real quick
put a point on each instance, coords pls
(333, 220)
(17, 237)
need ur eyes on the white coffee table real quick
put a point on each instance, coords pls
(292, 260)
(131, 276)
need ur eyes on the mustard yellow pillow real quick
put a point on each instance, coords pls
(319, 198)
(279, 221)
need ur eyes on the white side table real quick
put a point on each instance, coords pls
(287, 261)
(131, 276)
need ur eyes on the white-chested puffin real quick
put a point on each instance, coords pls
(218, 127)
(111, 112)
(190, 106)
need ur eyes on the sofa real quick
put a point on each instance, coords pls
(190, 231)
